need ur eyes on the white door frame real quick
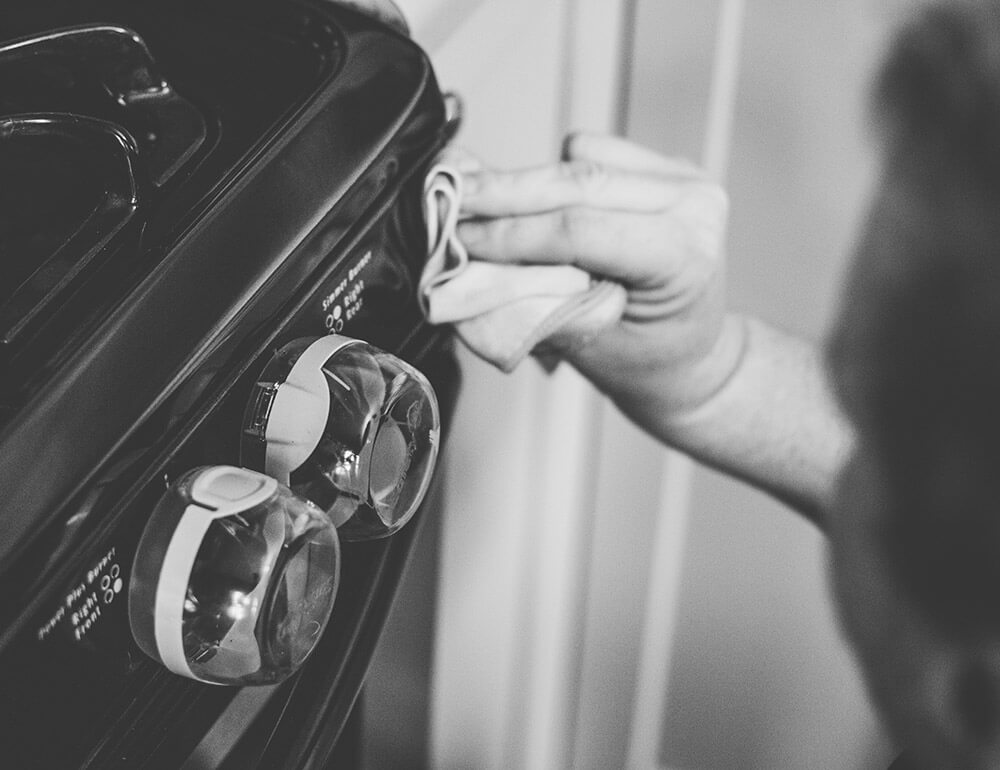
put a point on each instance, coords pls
(541, 580)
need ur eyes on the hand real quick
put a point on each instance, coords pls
(654, 224)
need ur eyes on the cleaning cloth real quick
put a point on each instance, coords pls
(503, 312)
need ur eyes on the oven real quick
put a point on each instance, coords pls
(220, 406)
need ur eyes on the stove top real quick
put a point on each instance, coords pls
(100, 145)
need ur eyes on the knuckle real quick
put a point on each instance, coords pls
(483, 179)
(574, 227)
(587, 175)
(719, 200)
(716, 196)
(507, 236)
(688, 167)
(708, 201)
(579, 144)
(475, 235)
(571, 145)
(461, 159)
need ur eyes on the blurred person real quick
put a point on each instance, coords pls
(898, 460)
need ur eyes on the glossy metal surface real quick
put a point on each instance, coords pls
(168, 127)
(254, 222)
(82, 192)
(319, 124)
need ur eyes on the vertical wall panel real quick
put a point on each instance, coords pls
(544, 589)
(502, 597)
(760, 677)
(670, 532)
(522, 460)
(631, 474)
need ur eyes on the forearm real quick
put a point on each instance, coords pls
(771, 421)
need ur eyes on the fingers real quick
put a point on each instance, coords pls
(610, 207)
(631, 247)
(597, 170)
(572, 183)
(602, 149)
(621, 154)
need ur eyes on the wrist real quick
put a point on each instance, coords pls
(656, 390)
(671, 389)
(694, 385)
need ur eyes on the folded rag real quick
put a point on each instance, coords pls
(503, 312)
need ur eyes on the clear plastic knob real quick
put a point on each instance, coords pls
(347, 426)
(234, 578)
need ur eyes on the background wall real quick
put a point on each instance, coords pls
(600, 603)
(507, 60)
(758, 677)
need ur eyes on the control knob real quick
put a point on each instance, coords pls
(347, 426)
(234, 578)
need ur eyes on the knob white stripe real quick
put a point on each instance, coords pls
(300, 409)
(178, 561)
(171, 589)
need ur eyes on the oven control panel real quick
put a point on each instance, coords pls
(236, 573)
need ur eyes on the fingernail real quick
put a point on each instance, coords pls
(467, 232)
(467, 164)
(470, 184)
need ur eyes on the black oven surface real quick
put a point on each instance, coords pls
(195, 184)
